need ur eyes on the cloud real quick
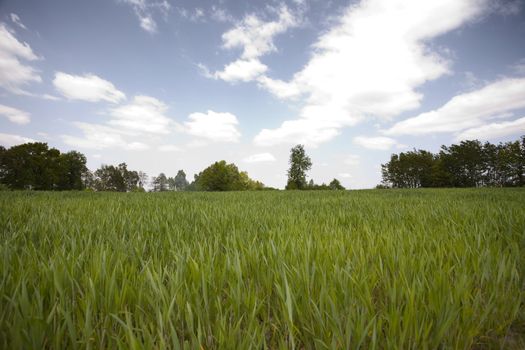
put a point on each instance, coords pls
(88, 87)
(281, 89)
(13, 73)
(352, 159)
(14, 115)
(9, 140)
(311, 132)
(197, 15)
(380, 143)
(98, 136)
(467, 110)
(506, 7)
(254, 37)
(144, 114)
(241, 70)
(213, 126)
(16, 20)
(220, 15)
(144, 10)
(345, 175)
(169, 148)
(494, 130)
(143, 117)
(369, 64)
(260, 158)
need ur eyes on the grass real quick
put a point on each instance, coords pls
(396, 269)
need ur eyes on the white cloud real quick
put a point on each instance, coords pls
(494, 130)
(13, 73)
(50, 97)
(14, 115)
(144, 10)
(260, 158)
(380, 143)
(255, 37)
(214, 126)
(197, 15)
(169, 148)
(241, 70)
(345, 175)
(311, 132)
(88, 87)
(281, 89)
(16, 20)
(143, 114)
(142, 118)
(9, 140)
(98, 136)
(370, 64)
(467, 110)
(506, 7)
(352, 159)
(220, 15)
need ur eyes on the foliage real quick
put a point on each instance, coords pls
(221, 176)
(160, 183)
(300, 163)
(336, 185)
(469, 164)
(116, 178)
(180, 181)
(35, 166)
(333, 185)
(418, 269)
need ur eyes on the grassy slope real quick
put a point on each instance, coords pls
(390, 269)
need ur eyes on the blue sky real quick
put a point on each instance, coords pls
(170, 84)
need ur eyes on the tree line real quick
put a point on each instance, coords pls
(467, 164)
(35, 166)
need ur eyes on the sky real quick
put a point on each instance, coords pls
(165, 85)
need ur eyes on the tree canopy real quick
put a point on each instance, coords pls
(300, 163)
(116, 178)
(221, 176)
(38, 167)
(467, 164)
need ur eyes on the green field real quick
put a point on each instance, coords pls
(392, 269)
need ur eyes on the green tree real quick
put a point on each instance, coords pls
(30, 166)
(336, 185)
(160, 183)
(300, 163)
(221, 176)
(116, 178)
(180, 181)
(109, 178)
(72, 168)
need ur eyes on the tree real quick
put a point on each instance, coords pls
(300, 163)
(180, 181)
(221, 176)
(109, 178)
(32, 166)
(143, 179)
(160, 183)
(336, 185)
(72, 171)
(467, 164)
(116, 178)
